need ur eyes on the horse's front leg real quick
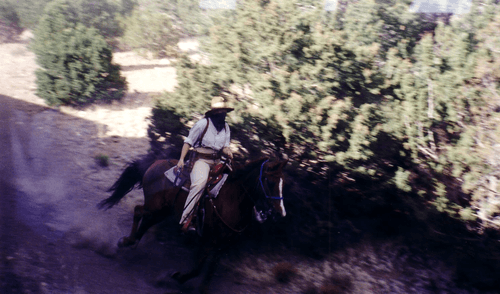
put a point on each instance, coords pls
(131, 240)
(182, 278)
(211, 268)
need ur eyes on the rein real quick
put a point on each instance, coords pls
(220, 217)
(262, 185)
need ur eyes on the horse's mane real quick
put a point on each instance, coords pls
(244, 170)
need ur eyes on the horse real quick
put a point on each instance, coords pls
(254, 191)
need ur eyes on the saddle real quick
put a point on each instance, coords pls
(216, 177)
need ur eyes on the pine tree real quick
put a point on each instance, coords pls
(148, 30)
(299, 85)
(445, 90)
(75, 61)
(391, 109)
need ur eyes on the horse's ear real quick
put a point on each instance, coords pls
(283, 161)
(277, 164)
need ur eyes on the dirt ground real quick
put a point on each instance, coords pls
(53, 239)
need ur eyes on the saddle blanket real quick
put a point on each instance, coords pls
(177, 180)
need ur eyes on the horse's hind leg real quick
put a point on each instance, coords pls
(211, 268)
(131, 239)
(182, 278)
(203, 256)
(148, 221)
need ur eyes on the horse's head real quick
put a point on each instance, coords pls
(270, 181)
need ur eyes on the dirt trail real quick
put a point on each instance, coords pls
(53, 238)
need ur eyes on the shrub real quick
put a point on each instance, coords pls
(9, 22)
(166, 129)
(102, 15)
(75, 61)
(151, 31)
(26, 13)
(8, 14)
(102, 160)
(194, 21)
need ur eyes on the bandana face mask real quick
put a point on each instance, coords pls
(218, 120)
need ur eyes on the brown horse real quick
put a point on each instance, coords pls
(253, 191)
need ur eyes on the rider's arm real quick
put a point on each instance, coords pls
(185, 149)
(226, 149)
(193, 136)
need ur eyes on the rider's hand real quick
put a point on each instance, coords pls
(227, 151)
(180, 165)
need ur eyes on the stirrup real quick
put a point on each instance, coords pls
(188, 226)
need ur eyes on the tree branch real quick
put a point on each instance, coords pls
(428, 152)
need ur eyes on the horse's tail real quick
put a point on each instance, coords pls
(132, 175)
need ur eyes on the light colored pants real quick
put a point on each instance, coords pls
(199, 178)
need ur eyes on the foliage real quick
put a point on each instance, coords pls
(75, 61)
(152, 31)
(8, 14)
(9, 22)
(300, 88)
(24, 14)
(389, 117)
(101, 15)
(98, 14)
(191, 18)
(167, 21)
(102, 160)
(447, 95)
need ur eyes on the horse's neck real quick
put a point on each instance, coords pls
(247, 184)
(238, 193)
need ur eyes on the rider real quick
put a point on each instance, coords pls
(209, 138)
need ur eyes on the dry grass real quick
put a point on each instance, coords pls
(371, 267)
(338, 284)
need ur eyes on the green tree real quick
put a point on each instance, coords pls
(27, 12)
(173, 111)
(75, 61)
(305, 88)
(191, 18)
(397, 110)
(151, 31)
(101, 15)
(9, 22)
(446, 95)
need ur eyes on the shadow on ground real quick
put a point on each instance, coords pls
(53, 239)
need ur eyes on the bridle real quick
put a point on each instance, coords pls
(262, 185)
(260, 215)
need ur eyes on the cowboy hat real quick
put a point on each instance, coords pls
(218, 105)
